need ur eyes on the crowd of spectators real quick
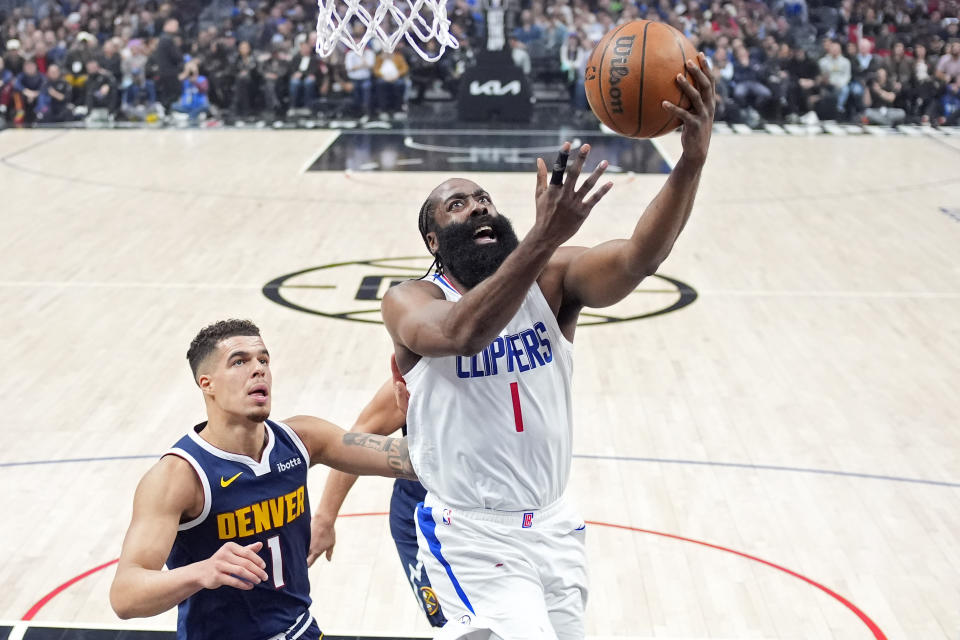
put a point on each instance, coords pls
(879, 61)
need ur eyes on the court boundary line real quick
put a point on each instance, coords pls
(326, 200)
(870, 624)
(323, 149)
(733, 293)
(584, 456)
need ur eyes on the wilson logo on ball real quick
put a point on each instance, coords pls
(619, 69)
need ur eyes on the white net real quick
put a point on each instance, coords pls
(419, 21)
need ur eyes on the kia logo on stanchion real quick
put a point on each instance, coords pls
(494, 88)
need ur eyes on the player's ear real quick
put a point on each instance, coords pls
(205, 382)
(432, 243)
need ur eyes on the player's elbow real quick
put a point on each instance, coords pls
(121, 605)
(470, 341)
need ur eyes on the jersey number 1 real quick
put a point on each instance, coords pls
(517, 414)
(274, 545)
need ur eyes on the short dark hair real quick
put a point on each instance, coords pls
(210, 336)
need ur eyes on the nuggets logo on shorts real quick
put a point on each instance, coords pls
(446, 516)
(527, 520)
(430, 603)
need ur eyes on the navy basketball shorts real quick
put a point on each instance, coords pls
(403, 528)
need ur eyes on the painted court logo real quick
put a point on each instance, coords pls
(353, 291)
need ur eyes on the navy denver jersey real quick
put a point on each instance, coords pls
(246, 501)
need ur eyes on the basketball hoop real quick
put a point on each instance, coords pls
(419, 21)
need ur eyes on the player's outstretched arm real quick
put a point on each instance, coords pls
(140, 587)
(422, 322)
(381, 417)
(364, 454)
(607, 273)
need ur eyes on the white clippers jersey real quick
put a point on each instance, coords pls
(495, 430)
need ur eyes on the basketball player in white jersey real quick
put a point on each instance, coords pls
(486, 351)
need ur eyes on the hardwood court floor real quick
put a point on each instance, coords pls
(803, 410)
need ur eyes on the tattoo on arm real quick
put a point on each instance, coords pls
(368, 440)
(395, 450)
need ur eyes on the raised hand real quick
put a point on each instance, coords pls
(562, 208)
(323, 537)
(698, 120)
(234, 566)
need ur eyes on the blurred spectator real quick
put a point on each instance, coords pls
(246, 85)
(527, 31)
(391, 72)
(134, 61)
(573, 61)
(835, 78)
(6, 91)
(304, 75)
(111, 61)
(947, 108)
(13, 58)
(167, 58)
(948, 66)
(76, 66)
(40, 57)
(882, 95)
(900, 70)
(139, 96)
(101, 90)
(26, 92)
(360, 73)
(804, 90)
(193, 97)
(518, 52)
(272, 70)
(749, 91)
(53, 104)
(863, 68)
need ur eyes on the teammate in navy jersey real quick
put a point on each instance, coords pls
(226, 508)
(485, 347)
(384, 415)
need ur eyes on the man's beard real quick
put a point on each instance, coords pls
(471, 263)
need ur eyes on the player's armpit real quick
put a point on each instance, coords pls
(418, 318)
(602, 275)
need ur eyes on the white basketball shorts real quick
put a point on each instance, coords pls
(521, 574)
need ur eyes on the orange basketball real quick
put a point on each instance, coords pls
(632, 71)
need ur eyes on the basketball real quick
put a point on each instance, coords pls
(632, 71)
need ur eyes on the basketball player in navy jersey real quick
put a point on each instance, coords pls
(485, 347)
(384, 415)
(226, 508)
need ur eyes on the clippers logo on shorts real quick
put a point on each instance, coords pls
(289, 464)
(527, 520)
(446, 516)
(465, 619)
